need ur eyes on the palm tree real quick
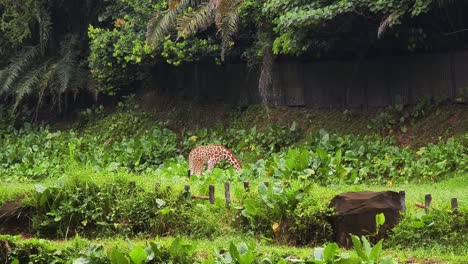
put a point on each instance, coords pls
(47, 64)
(223, 13)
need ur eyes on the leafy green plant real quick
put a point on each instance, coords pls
(178, 252)
(330, 254)
(248, 144)
(425, 230)
(33, 250)
(397, 117)
(242, 253)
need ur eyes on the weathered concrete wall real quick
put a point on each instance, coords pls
(360, 83)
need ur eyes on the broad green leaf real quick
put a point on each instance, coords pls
(262, 189)
(366, 245)
(76, 261)
(358, 248)
(242, 248)
(233, 251)
(247, 258)
(117, 257)
(160, 202)
(388, 260)
(40, 188)
(376, 251)
(318, 253)
(156, 248)
(138, 255)
(379, 220)
(330, 251)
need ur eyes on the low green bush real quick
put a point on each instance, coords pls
(118, 206)
(332, 159)
(292, 214)
(439, 227)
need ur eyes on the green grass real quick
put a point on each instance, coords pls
(442, 192)
(264, 247)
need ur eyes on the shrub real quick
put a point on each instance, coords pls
(439, 227)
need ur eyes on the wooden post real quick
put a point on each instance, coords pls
(187, 191)
(132, 185)
(247, 186)
(227, 193)
(212, 198)
(427, 202)
(267, 184)
(402, 202)
(188, 174)
(454, 205)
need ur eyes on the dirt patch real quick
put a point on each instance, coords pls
(15, 219)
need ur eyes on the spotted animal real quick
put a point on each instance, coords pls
(210, 155)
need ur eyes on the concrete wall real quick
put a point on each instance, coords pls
(337, 84)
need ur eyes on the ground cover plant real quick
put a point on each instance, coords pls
(122, 175)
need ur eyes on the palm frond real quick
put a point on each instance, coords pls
(222, 9)
(3, 76)
(199, 19)
(29, 82)
(228, 27)
(18, 64)
(388, 22)
(67, 63)
(162, 23)
(172, 4)
(43, 18)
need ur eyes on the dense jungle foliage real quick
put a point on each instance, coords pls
(54, 50)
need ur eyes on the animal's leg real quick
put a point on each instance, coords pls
(191, 169)
(211, 164)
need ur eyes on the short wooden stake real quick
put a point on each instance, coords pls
(187, 191)
(132, 185)
(402, 202)
(227, 193)
(454, 205)
(188, 174)
(247, 186)
(427, 202)
(212, 197)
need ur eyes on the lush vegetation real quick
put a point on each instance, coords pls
(49, 57)
(123, 175)
(118, 176)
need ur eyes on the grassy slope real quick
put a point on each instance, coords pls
(448, 120)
